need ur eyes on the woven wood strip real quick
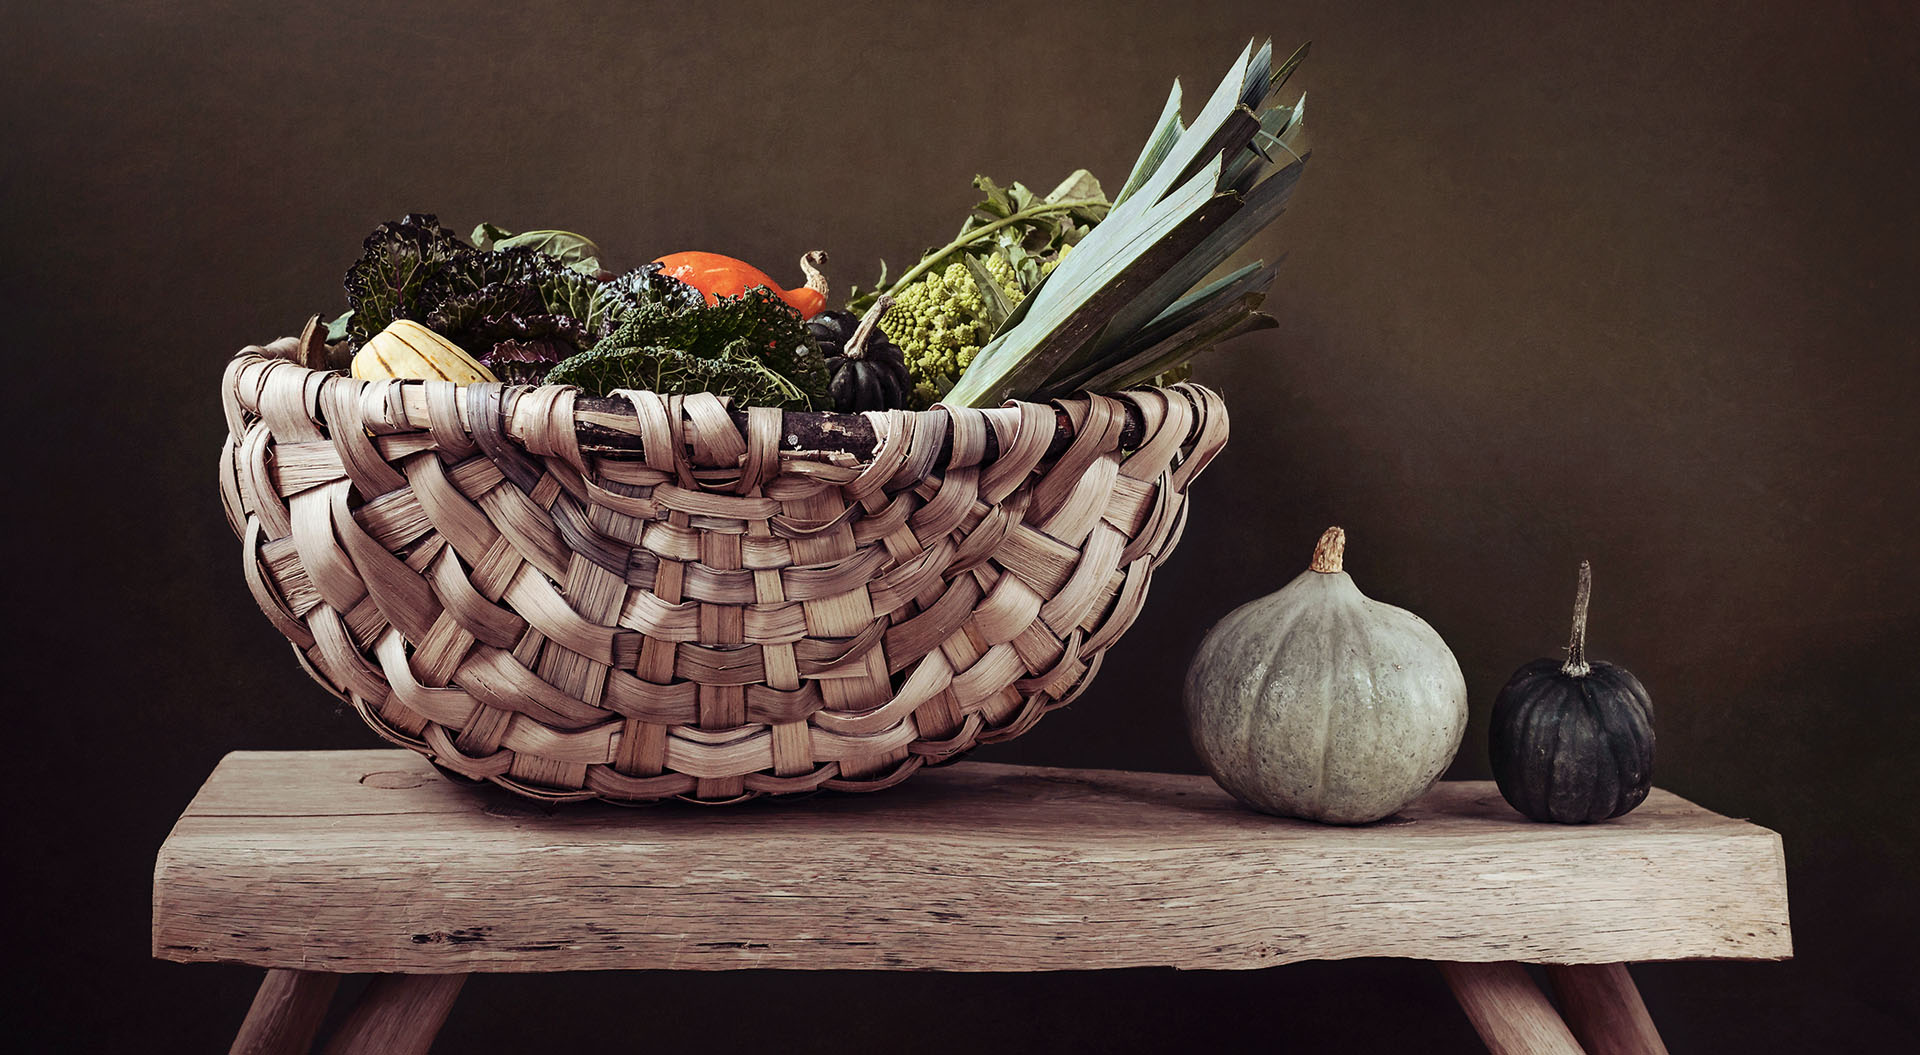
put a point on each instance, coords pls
(710, 616)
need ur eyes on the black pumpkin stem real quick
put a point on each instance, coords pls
(1576, 664)
(856, 347)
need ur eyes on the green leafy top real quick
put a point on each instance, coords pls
(576, 251)
(1012, 222)
(1196, 195)
(1037, 230)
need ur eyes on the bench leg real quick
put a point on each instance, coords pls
(286, 1013)
(398, 1015)
(1509, 1012)
(1604, 1008)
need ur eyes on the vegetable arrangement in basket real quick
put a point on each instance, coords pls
(722, 602)
(1037, 296)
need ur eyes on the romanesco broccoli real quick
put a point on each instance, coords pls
(939, 321)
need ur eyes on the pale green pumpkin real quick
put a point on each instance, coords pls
(1317, 702)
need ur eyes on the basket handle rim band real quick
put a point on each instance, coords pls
(613, 426)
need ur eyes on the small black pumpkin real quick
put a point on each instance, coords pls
(869, 371)
(1572, 741)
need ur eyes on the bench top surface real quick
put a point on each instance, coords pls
(370, 861)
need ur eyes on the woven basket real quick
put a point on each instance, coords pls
(654, 598)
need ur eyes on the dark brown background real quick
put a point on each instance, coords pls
(1630, 282)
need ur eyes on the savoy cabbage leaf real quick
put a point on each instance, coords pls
(756, 324)
(736, 374)
(396, 265)
(752, 348)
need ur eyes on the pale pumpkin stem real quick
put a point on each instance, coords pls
(1576, 664)
(1329, 552)
(810, 266)
(857, 345)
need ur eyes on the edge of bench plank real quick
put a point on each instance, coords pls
(368, 861)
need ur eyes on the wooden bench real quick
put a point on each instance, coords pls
(323, 863)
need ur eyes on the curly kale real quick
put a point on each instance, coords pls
(735, 373)
(752, 347)
(771, 330)
(648, 284)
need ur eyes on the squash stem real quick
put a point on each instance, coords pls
(856, 347)
(1576, 664)
(1329, 552)
(810, 266)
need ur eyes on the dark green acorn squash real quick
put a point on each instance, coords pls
(869, 371)
(1572, 741)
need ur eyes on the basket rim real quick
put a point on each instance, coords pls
(603, 425)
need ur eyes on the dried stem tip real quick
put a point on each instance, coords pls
(1576, 664)
(856, 347)
(810, 266)
(313, 345)
(1331, 550)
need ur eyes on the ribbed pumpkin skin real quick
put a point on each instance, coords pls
(1317, 702)
(1572, 749)
(867, 384)
(877, 379)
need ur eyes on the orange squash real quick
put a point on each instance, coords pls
(718, 276)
